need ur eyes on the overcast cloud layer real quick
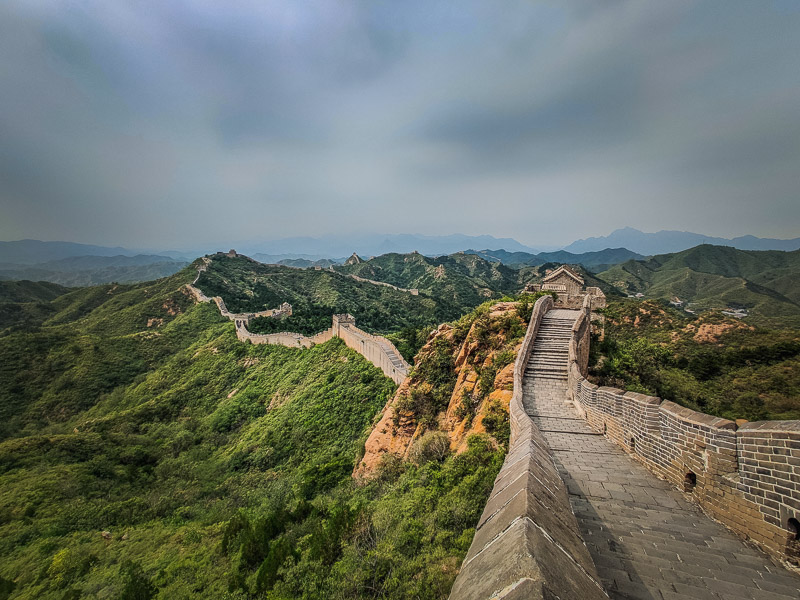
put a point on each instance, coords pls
(169, 123)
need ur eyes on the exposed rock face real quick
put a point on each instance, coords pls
(483, 365)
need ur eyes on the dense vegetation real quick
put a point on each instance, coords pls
(24, 303)
(147, 453)
(30, 291)
(713, 363)
(764, 282)
(466, 279)
(315, 295)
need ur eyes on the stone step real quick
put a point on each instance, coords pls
(543, 377)
(559, 373)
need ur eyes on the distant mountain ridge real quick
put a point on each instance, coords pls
(333, 246)
(36, 251)
(765, 282)
(664, 242)
(596, 261)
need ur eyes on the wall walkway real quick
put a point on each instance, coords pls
(647, 539)
(527, 543)
(747, 477)
(577, 510)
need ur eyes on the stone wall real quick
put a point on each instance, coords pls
(376, 349)
(527, 543)
(747, 478)
(412, 291)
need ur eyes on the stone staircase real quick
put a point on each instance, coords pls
(549, 359)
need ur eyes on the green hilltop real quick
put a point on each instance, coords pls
(763, 282)
(467, 279)
(30, 291)
(249, 286)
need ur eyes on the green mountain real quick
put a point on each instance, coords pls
(246, 285)
(466, 279)
(763, 282)
(24, 303)
(30, 291)
(595, 261)
(146, 453)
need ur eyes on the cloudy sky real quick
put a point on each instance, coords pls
(168, 123)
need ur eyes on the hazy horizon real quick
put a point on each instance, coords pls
(198, 124)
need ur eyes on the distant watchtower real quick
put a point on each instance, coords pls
(563, 280)
(568, 284)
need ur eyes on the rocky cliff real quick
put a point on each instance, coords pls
(461, 384)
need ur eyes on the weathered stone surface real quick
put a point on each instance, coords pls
(523, 556)
(527, 543)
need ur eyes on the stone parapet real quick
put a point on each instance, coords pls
(747, 478)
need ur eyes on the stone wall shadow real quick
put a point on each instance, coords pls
(602, 544)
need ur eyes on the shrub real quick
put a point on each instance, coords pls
(433, 446)
(497, 423)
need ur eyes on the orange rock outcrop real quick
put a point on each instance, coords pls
(395, 433)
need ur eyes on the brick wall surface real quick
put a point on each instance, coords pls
(747, 478)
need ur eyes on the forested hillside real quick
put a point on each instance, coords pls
(712, 363)
(147, 453)
(763, 282)
(30, 291)
(467, 279)
(315, 295)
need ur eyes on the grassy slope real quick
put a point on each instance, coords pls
(714, 364)
(716, 277)
(220, 469)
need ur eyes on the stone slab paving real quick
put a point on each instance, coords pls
(648, 541)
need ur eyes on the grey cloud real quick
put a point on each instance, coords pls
(134, 122)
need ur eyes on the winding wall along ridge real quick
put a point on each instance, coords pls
(747, 477)
(376, 349)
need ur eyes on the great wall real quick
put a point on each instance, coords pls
(376, 349)
(606, 493)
